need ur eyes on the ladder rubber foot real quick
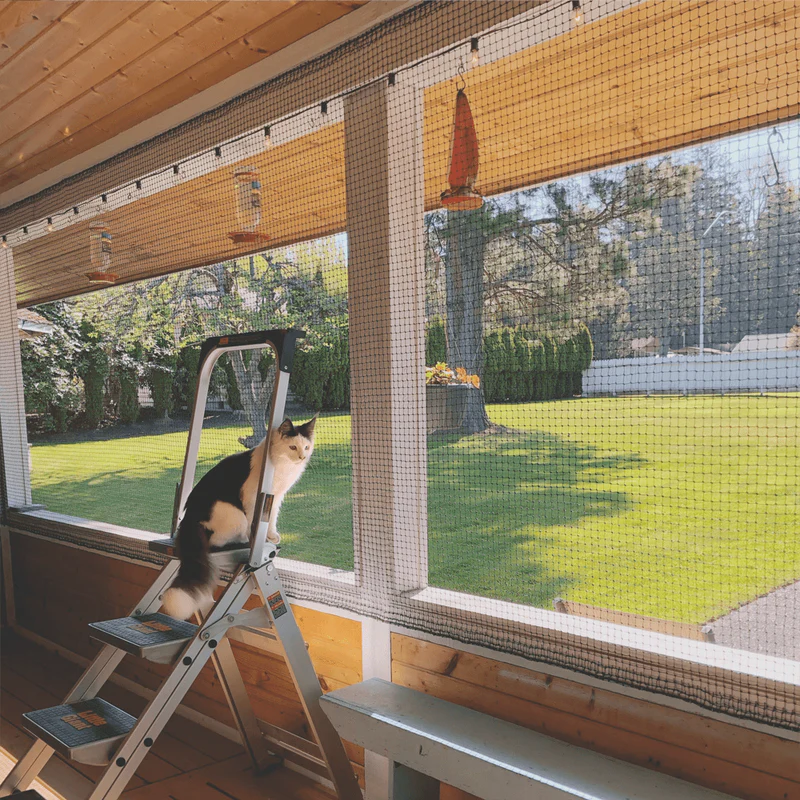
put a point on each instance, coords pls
(155, 637)
(89, 731)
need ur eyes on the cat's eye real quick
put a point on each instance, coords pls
(306, 447)
(292, 447)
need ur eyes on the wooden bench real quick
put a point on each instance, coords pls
(700, 633)
(430, 740)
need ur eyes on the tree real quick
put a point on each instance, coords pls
(775, 277)
(299, 286)
(551, 257)
(466, 237)
(52, 386)
(93, 368)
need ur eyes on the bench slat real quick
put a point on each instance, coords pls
(485, 756)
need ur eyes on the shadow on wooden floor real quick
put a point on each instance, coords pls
(187, 762)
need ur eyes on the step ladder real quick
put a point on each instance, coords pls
(88, 729)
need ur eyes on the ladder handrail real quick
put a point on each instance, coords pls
(282, 342)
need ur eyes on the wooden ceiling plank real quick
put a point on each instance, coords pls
(48, 147)
(293, 23)
(70, 37)
(142, 31)
(167, 66)
(21, 21)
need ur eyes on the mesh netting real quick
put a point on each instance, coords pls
(559, 403)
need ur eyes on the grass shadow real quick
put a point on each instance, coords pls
(494, 503)
(494, 500)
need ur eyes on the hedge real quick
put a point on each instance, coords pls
(162, 365)
(435, 343)
(93, 369)
(519, 365)
(128, 394)
(321, 372)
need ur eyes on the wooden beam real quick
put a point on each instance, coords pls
(386, 266)
(187, 225)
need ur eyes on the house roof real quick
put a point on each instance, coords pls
(32, 325)
(762, 342)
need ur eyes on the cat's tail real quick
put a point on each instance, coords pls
(194, 585)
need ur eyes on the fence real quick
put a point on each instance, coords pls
(730, 372)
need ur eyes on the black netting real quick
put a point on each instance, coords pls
(559, 402)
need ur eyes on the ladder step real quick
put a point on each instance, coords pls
(155, 637)
(225, 556)
(89, 731)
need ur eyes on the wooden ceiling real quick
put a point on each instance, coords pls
(75, 74)
(660, 75)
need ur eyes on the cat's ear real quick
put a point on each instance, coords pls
(307, 428)
(286, 428)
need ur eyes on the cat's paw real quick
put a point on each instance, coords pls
(274, 537)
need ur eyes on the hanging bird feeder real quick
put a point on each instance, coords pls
(464, 160)
(247, 187)
(100, 255)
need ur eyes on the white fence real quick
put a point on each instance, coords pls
(731, 372)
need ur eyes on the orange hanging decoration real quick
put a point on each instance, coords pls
(464, 161)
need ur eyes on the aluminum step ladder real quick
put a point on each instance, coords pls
(88, 729)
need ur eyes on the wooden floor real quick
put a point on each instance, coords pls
(187, 762)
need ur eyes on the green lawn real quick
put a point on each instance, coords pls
(680, 508)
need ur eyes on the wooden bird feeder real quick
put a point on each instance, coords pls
(464, 161)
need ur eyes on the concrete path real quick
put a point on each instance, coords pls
(769, 625)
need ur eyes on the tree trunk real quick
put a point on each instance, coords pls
(464, 285)
(255, 393)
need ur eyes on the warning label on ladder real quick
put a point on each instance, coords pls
(276, 605)
(84, 719)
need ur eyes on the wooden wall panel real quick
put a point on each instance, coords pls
(60, 589)
(729, 758)
(660, 75)
(187, 225)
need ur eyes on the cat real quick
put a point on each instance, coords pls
(219, 511)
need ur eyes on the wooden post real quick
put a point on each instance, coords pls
(12, 400)
(385, 224)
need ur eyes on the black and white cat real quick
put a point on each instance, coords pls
(219, 511)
